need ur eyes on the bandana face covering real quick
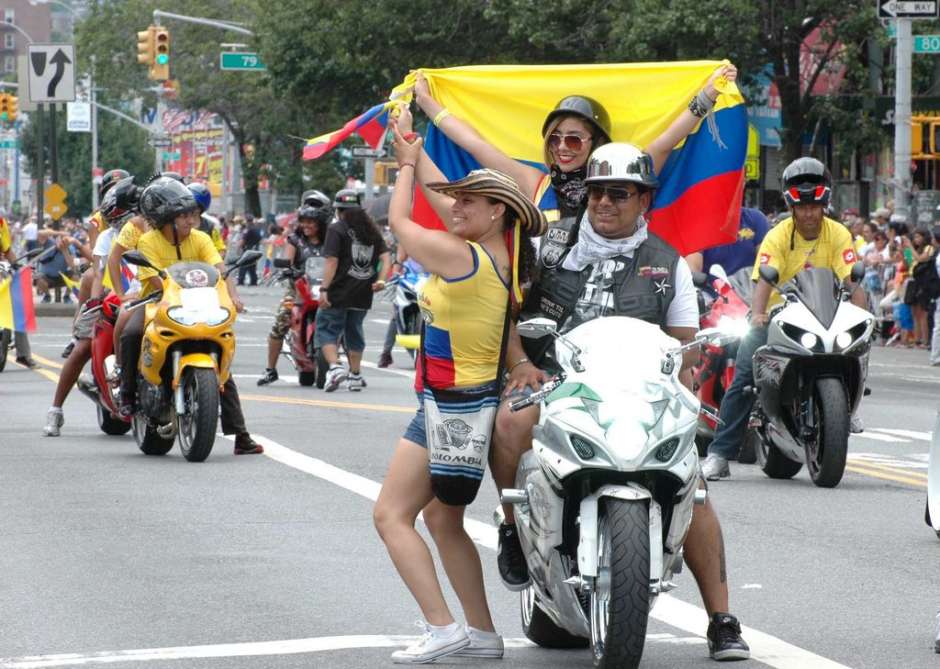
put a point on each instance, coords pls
(570, 189)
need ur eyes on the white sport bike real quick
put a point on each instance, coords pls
(604, 499)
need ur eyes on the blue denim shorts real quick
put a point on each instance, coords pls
(334, 321)
(417, 430)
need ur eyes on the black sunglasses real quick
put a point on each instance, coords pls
(618, 195)
(573, 142)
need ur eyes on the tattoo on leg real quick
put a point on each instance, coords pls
(721, 557)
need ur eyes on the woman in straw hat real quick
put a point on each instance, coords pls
(476, 267)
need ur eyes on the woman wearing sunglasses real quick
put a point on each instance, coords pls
(576, 127)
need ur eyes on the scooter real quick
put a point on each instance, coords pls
(604, 499)
(810, 376)
(715, 370)
(186, 356)
(310, 364)
(98, 387)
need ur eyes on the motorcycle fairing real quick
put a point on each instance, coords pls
(819, 290)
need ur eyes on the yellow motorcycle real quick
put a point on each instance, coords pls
(185, 357)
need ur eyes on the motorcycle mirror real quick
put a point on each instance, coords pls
(769, 274)
(248, 258)
(858, 271)
(535, 328)
(137, 258)
(281, 263)
(718, 272)
(699, 279)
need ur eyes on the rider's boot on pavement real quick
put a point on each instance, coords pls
(511, 560)
(355, 382)
(715, 467)
(385, 360)
(269, 376)
(856, 426)
(245, 445)
(27, 362)
(55, 419)
(724, 639)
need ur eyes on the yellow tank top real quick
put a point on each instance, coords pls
(463, 328)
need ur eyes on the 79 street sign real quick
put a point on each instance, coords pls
(908, 9)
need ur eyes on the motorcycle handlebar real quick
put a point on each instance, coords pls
(538, 395)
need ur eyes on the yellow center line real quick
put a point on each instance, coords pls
(874, 473)
(46, 361)
(887, 468)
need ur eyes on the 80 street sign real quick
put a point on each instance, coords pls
(926, 43)
(908, 9)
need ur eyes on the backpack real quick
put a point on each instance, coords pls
(925, 274)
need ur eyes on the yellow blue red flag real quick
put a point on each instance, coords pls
(16, 302)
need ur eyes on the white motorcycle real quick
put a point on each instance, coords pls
(603, 501)
(932, 512)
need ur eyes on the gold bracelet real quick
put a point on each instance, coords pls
(520, 361)
(441, 115)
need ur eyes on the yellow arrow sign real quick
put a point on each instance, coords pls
(56, 210)
(56, 194)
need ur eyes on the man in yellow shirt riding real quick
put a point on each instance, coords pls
(807, 239)
(174, 215)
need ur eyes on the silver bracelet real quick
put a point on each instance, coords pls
(701, 104)
(520, 361)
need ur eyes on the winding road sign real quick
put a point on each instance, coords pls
(51, 69)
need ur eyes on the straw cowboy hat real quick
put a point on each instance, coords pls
(501, 187)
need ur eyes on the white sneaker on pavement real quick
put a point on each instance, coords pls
(936, 643)
(435, 643)
(55, 419)
(334, 377)
(715, 467)
(856, 426)
(355, 382)
(482, 644)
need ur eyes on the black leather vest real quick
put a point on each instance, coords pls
(641, 287)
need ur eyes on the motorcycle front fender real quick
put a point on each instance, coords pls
(203, 360)
(587, 541)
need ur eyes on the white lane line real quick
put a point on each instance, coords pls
(280, 377)
(910, 434)
(887, 460)
(397, 372)
(687, 617)
(874, 436)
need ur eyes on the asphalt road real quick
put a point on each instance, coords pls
(111, 557)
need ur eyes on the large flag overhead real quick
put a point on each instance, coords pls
(698, 202)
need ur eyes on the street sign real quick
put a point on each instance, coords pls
(56, 210)
(240, 60)
(172, 155)
(78, 116)
(51, 72)
(908, 9)
(55, 193)
(7, 143)
(160, 141)
(366, 152)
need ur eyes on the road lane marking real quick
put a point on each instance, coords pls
(874, 436)
(687, 617)
(910, 434)
(328, 404)
(915, 461)
(879, 474)
(47, 361)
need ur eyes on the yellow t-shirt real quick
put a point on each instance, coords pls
(5, 241)
(129, 236)
(197, 246)
(833, 248)
(100, 222)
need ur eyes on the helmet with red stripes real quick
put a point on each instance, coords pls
(806, 181)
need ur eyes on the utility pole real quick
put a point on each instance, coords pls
(902, 119)
(94, 135)
(40, 175)
(53, 149)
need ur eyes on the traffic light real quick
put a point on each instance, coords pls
(14, 107)
(160, 70)
(5, 107)
(145, 44)
(917, 138)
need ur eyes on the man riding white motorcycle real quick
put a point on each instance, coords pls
(807, 239)
(605, 262)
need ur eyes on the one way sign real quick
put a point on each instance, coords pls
(51, 72)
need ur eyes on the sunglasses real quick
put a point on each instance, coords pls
(573, 142)
(617, 195)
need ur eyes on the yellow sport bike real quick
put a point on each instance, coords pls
(185, 357)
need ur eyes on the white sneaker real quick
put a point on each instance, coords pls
(356, 383)
(936, 643)
(435, 643)
(55, 419)
(334, 377)
(715, 467)
(856, 426)
(482, 644)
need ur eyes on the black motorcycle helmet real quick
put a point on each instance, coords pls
(164, 199)
(121, 201)
(314, 198)
(318, 214)
(806, 181)
(583, 107)
(176, 176)
(347, 198)
(110, 178)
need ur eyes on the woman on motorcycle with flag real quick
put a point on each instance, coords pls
(571, 131)
(465, 304)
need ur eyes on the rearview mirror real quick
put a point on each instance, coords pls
(281, 263)
(249, 258)
(535, 328)
(858, 271)
(769, 274)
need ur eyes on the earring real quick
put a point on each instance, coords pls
(493, 218)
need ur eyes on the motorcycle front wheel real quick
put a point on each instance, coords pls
(542, 630)
(197, 426)
(620, 602)
(5, 336)
(826, 454)
(148, 439)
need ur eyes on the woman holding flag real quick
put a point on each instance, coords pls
(571, 131)
(474, 279)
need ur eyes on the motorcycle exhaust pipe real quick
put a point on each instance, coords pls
(514, 496)
(89, 390)
(700, 496)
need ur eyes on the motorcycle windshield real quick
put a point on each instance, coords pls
(818, 290)
(194, 274)
(742, 285)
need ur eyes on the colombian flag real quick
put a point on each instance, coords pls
(16, 302)
(369, 125)
(698, 202)
(127, 276)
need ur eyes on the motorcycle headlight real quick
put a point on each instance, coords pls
(212, 316)
(805, 339)
(845, 340)
(808, 340)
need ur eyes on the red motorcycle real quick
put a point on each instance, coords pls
(723, 303)
(97, 387)
(309, 362)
